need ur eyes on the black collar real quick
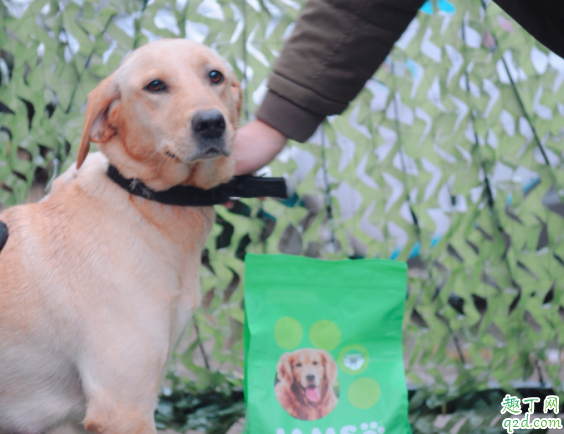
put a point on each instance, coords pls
(185, 195)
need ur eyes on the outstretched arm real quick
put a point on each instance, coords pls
(334, 49)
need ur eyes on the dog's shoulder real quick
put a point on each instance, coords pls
(88, 177)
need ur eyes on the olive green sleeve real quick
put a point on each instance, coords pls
(336, 46)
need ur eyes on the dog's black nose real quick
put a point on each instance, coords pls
(310, 377)
(208, 124)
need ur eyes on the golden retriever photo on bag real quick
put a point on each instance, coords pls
(305, 381)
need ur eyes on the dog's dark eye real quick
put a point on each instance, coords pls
(315, 363)
(298, 365)
(216, 77)
(156, 86)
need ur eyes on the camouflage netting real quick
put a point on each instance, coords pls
(450, 158)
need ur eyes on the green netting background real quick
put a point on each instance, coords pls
(450, 159)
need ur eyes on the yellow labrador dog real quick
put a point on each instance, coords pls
(97, 285)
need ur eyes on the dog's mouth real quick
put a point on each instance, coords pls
(312, 393)
(211, 153)
(211, 149)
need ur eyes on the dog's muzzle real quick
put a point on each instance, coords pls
(208, 128)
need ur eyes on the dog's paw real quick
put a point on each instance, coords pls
(372, 428)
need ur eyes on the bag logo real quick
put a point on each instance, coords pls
(347, 429)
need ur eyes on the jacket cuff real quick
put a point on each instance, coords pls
(291, 120)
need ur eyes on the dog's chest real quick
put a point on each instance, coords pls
(172, 239)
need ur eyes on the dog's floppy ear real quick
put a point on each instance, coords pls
(284, 368)
(236, 100)
(96, 125)
(330, 366)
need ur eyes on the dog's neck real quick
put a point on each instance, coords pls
(186, 195)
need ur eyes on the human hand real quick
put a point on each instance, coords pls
(256, 144)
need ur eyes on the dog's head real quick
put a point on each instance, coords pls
(310, 372)
(167, 116)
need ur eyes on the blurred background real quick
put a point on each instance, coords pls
(450, 159)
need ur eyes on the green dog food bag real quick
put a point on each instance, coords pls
(323, 346)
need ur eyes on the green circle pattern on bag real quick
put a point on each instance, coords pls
(288, 333)
(325, 335)
(364, 393)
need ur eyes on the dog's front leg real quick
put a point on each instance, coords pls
(121, 380)
(106, 418)
(121, 408)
